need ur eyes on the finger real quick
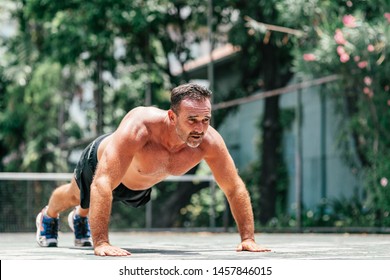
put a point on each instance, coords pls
(253, 248)
(100, 253)
(112, 252)
(259, 249)
(120, 252)
(125, 253)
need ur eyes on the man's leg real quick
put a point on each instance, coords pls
(63, 198)
(79, 223)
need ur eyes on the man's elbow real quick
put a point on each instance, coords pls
(237, 191)
(101, 187)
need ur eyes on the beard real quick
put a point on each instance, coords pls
(193, 140)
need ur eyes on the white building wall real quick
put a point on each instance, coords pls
(241, 133)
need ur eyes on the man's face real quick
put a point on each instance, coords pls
(193, 120)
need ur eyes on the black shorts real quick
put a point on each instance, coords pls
(85, 171)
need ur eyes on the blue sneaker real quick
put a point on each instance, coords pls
(47, 230)
(81, 229)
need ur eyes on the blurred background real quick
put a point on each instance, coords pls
(301, 97)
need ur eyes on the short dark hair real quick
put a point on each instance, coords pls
(188, 91)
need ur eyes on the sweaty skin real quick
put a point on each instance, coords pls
(151, 144)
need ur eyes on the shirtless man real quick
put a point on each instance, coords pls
(149, 145)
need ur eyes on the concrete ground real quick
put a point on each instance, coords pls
(206, 246)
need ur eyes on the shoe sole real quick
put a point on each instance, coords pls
(49, 242)
(86, 243)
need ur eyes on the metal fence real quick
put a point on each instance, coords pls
(23, 195)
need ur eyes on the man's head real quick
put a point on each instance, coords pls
(188, 91)
(190, 113)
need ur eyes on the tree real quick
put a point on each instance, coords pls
(351, 39)
(265, 59)
(121, 45)
(31, 92)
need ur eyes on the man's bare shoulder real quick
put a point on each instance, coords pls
(142, 117)
(213, 140)
(141, 121)
(145, 114)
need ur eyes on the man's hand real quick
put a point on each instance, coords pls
(108, 250)
(250, 245)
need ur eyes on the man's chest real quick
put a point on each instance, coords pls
(154, 161)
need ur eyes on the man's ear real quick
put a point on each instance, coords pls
(172, 116)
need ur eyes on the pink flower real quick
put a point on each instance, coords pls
(387, 88)
(344, 57)
(384, 182)
(387, 16)
(362, 64)
(309, 57)
(367, 91)
(349, 4)
(349, 21)
(356, 58)
(340, 50)
(339, 37)
(367, 80)
(388, 102)
(370, 48)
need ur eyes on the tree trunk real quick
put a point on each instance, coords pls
(270, 159)
(271, 134)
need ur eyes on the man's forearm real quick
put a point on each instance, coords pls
(241, 208)
(99, 215)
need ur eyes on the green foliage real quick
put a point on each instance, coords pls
(125, 217)
(29, 120)
(121, 46)
(42, 97)
(197, 212)
(339, 213)
(351, 39)
(12, 123)
(80, 39)
(83, 36)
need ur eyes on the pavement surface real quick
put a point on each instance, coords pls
(206, 246)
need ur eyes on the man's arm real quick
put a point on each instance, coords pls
(226, 176)
(111, 168)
